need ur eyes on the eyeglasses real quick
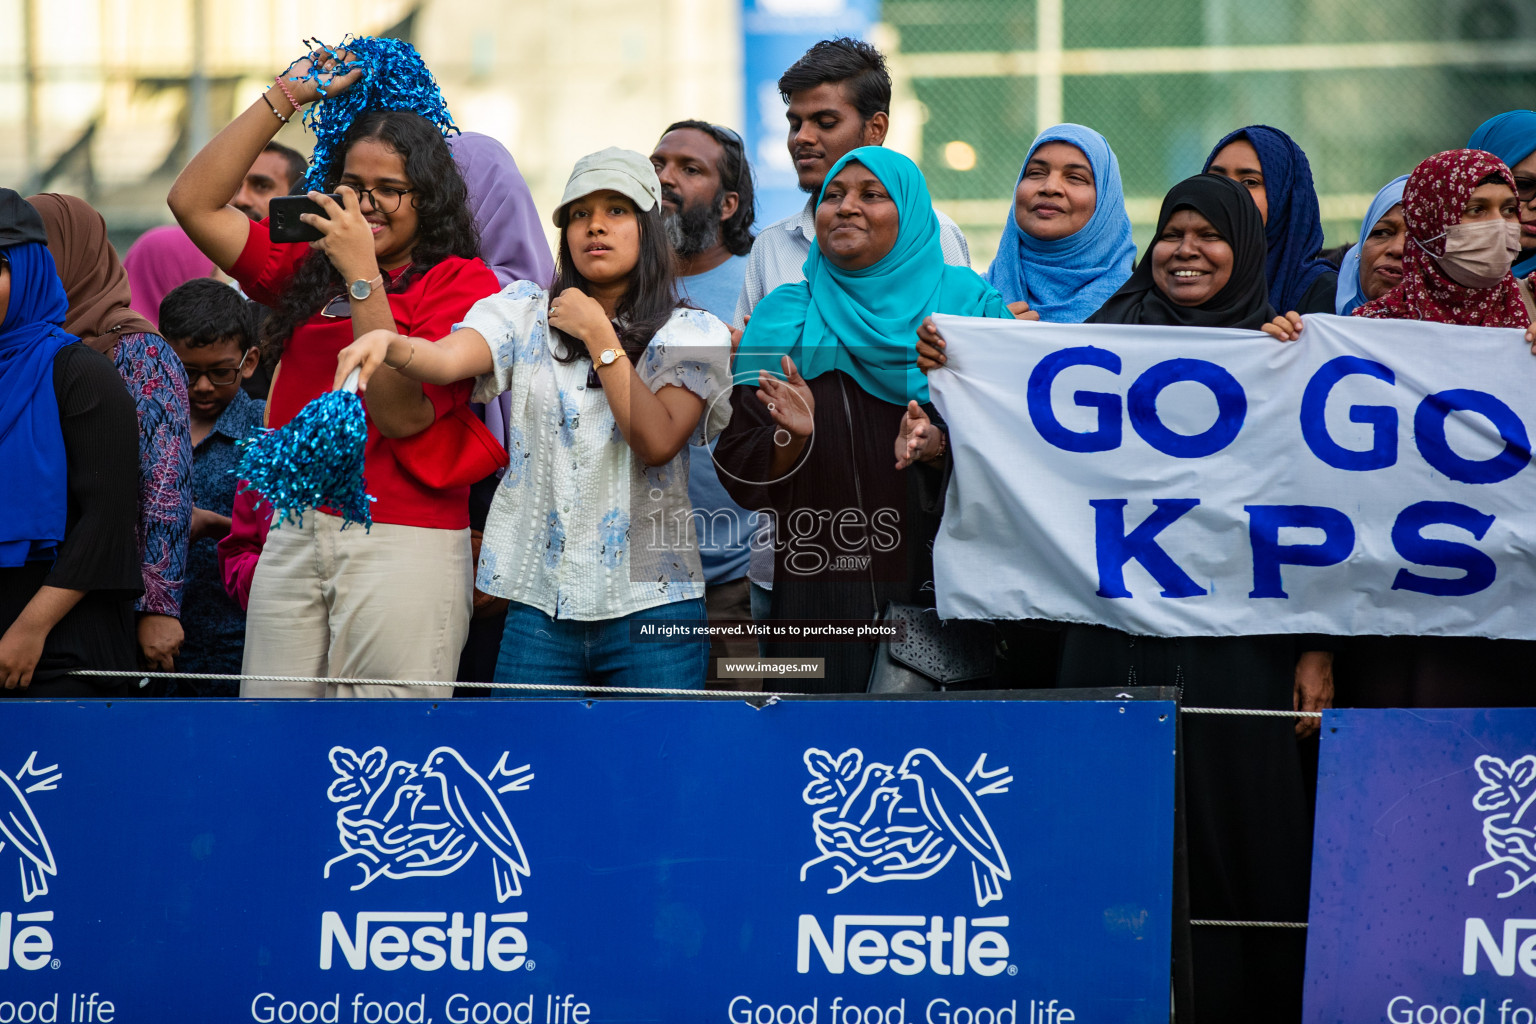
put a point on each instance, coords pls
(384, 198)
(1525, 188)
(220, 376)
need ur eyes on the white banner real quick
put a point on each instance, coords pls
(1371, 478)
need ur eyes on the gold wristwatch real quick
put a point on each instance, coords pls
(609, 356)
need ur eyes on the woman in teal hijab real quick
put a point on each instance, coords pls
(863, 320)
(824, 375)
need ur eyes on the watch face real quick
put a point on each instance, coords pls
(608, 357)
(360, 290)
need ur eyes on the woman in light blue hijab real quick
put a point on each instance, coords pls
(1351, 293)
(1066, 278)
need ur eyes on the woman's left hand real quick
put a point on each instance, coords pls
(1284, 328)
(919, 439)
(346, 237)
(484, 605)
(160, 638)
(20, 651)
(579, 315)
(1313, 689)
(789, 401)
(930, 346)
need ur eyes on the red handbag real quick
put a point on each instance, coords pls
(456, 451)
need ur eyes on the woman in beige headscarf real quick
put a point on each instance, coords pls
(99, 315)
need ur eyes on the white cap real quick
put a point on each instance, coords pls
(612, 170)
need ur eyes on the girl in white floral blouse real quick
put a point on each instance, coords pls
(590, 536)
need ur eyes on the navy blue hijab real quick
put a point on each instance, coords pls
(1293, 232)
(1510, 136)
(32, 462)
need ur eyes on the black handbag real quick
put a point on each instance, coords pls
(932, 654)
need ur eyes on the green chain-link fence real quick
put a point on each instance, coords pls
(1368, 89)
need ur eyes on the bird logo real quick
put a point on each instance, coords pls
(19, 830)
(404, 820)
(1506, 799)
(906, 821)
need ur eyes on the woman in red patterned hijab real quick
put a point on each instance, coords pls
(1451, 276)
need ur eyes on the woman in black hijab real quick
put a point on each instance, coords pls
(1205, 267)
(1248, 812)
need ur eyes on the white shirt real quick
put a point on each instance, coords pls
(580, 528)
(779, 252)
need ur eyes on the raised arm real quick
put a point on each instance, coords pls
(656, 425)
(200, 197)
(461, 355)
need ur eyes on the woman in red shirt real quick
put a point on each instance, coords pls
(398, 253)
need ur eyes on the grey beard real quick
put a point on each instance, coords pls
(694, 229)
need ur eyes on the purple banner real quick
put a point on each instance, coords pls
(1424, 869)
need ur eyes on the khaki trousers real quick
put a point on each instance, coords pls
(392, 603)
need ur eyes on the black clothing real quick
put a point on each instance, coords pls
(477, 661)
(1248, 808)
(1247, 800)
(100, 550)
(844, 500)
(1242, 302)
(1435, 672)
(1322, 297)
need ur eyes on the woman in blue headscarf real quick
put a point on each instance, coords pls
(69, 557)
(826, 374)
(1066, 244)
(1275, 172)
(1511, 136)
(1373, 266)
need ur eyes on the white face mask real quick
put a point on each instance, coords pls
(1478, 254)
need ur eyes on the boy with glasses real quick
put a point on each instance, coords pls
(211, 328)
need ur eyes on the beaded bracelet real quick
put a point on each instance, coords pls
(272, 108)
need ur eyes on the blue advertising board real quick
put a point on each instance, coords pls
(568, 862)
(1424, 868)
(775, 34)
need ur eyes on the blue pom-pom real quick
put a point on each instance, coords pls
(394, 78)
(314, 461)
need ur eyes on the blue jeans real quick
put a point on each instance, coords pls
(539, 649)
(762, 604)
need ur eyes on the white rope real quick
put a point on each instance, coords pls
(1252, 712)
(1250, 924)
(144, 677)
